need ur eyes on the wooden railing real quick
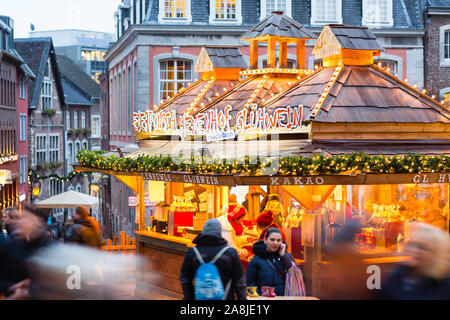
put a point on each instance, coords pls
(126, 248)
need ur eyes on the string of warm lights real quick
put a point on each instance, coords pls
(32, 174)
(353, 163)
(193, 105)
(302, 72)
(326, 91)
(9, 157)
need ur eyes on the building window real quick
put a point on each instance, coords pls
(389, 65)
(83, 119)
(377, 13)
(55, 187)
(41, 149)
(95, 126)
(68, 119)
(444, 45)
(23, 127)
(225, 11)
(174, 11)
(22, 88)
(173, 75)
(46, 95)
(447, 45)
(23, 169)
(85, 145)
(54, 148)
(129, 107)
(326, 11)
(75, 119)
(70, 159)
(269, 6)
(78, 188)
(77, 148)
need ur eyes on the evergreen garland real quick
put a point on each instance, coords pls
(353, 163)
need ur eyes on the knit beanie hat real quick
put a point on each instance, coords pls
(212, 227)
(265, 218)
(236, 211)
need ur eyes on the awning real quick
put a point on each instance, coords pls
(69, 199)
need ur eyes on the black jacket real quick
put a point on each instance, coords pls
(260, 273)
(397, 287)
(83, 232)
(229, 266)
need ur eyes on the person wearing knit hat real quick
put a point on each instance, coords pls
(232, 228)
(273, 204)
(208, 244)
(265, 221)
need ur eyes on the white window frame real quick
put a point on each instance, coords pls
(287, 10)
(70, 153)
(177, 81)
(42, 150)
(75, 119)
(316, 22)
(83, 119)
(68, 124)
(46, 94)
(22, 88)
(442, 30)
(84, 145)
(78, 188)
(23, 169)
(212, 13)
(54, 149)
(187, 14)
(94, 118)
(23, 127)
(378, 24)
(54, 186)
(77, 148)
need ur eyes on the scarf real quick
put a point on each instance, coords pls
(237, 227)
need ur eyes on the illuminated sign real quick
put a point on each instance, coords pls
(216, 125)
(5, 177)
(9, 158)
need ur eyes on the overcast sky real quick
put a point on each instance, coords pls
(94, 15)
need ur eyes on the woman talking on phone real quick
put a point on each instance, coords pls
(270, 264)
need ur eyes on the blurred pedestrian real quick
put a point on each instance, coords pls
(270, 263)
(245, 202)
(346, 276)
(209, 244)
(85, 229)
(426, 275)
(28, 235)
(9, 214)
(54, 228)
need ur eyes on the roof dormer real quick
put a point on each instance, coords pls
(339, 44)
(220, 63)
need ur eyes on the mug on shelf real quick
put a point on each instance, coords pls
(251, 292)
(268, 291)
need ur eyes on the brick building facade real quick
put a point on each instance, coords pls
(437, 50)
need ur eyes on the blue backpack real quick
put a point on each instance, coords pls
(208, 284)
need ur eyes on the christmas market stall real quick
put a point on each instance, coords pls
(309, 150)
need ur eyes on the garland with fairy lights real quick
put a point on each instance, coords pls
(353, 163)
(33, 175)
(8, 157)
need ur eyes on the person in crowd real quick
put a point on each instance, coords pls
(209, 243)
(85, 229)
(270, 263)
(9, 214)
(265, 221)
(245, 202)
(426, 275)
(28, 235)
(273, 204)
(54, 228)
(232, 227)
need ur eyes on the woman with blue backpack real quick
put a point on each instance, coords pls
(212, 270)
(270, 264)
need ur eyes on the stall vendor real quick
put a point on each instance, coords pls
(232, 227)
(265, 221)
(274, 205)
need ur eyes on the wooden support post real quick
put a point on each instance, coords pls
(271, 53)
(283, 54)
(253, 54)
(141, 195)
(301, 54)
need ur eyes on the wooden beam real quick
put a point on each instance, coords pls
(131, 182)
(271, 53)
(301, 54)
(283, 54)
(253, 54)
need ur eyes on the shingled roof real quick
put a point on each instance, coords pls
(78, 77)
(362, 94)
(226, 57)
(35, 52)
(278, 25)
(358, 38)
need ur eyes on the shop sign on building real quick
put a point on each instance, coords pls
(216, 125)
(5, 177)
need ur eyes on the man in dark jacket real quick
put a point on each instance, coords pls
(84, 231)
(209, 244)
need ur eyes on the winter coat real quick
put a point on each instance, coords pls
(260, 273)
(84, 232)
(397, 287)
(229, 266)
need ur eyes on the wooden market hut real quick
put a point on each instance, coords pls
(349, 105)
